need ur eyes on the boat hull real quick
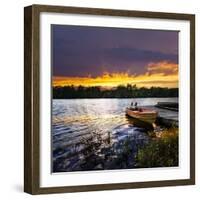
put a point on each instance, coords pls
(148, 116)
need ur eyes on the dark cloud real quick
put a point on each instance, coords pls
(82, 50)
(133, 55)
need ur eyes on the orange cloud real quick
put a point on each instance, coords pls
(163, 67)
(161, 74)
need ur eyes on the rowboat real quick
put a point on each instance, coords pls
(145, 115)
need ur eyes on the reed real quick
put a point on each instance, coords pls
(161, 152)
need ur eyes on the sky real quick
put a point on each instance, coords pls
(107, 57)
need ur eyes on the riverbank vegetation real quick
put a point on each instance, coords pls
(158, 149)
(121, 91)
(161, 152)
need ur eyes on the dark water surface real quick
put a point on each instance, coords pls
(91, 134)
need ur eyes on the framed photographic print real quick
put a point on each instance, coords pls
(109, 99)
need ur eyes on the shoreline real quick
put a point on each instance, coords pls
(114, 98)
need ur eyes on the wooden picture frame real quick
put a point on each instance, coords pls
(32, 98)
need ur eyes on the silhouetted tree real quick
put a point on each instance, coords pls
(121, 91)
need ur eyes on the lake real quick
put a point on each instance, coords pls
(91, 134)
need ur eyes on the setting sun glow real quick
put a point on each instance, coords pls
(162, 74)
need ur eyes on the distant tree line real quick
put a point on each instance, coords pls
(129, 91)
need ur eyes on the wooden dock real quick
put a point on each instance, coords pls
(168, 106)
(166, 116)
(167, 122)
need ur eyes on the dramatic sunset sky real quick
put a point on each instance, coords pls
(107, 57)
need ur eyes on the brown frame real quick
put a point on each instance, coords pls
(32, 105)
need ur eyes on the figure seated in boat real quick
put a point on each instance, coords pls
(135, 108)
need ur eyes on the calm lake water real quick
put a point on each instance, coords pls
(91, 134)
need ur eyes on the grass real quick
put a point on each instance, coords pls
(161, 152)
